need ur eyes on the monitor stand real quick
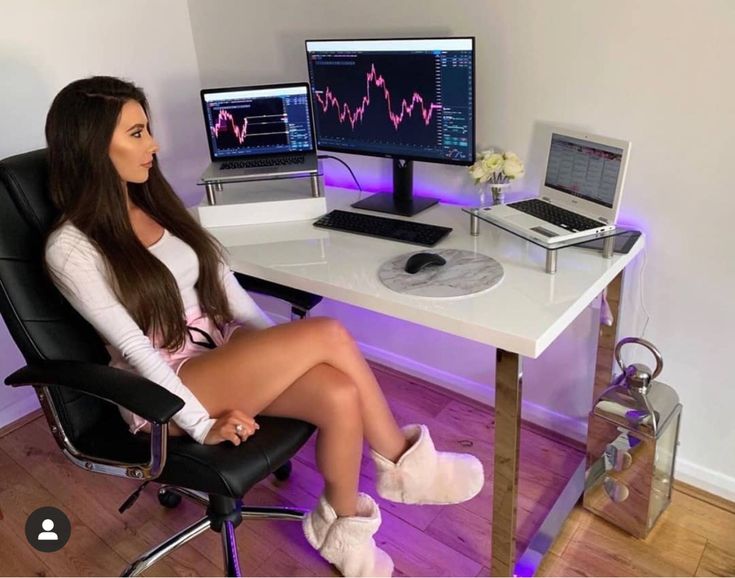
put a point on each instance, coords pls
(401, 202)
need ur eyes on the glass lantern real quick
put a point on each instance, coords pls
(631, 447)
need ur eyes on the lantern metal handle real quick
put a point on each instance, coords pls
(648, 345)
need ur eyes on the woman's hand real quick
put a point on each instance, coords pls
(234, 426)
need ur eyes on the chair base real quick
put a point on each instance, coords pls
(219, 520)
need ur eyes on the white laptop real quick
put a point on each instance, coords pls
(257, 132)
(581, 192)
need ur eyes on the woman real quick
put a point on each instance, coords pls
(128, 256)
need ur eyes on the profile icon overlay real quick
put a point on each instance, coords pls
(48, 529)
(47, 534)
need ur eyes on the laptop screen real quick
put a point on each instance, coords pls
(584, 169)
(260, 120)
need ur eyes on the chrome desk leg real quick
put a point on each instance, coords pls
(508, 385)
(607, 338)
(551, 260)
(550, 527)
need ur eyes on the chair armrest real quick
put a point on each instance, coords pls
(135, 393)
(297, 298)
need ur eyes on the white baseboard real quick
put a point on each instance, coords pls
(19, 409)
(705, 479)
(481, 392)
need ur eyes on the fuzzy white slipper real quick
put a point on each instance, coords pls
(424, 476)
(348, 542)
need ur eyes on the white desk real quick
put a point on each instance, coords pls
(521, 317)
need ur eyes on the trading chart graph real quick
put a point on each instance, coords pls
(405, 111)
(373, 98)
(261, 122)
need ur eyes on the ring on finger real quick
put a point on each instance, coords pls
(238, 428)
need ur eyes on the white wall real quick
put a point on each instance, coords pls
(657, 73)
(45, 44)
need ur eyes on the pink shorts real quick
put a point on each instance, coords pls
(202, 335)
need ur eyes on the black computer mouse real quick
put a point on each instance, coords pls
(420, 261)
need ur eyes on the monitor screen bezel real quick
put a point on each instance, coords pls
(424, 159)
(312, 126)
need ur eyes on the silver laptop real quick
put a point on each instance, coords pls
(259, 132)
(581, 192)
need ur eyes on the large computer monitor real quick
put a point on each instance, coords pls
(407, 99)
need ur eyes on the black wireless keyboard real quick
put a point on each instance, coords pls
(383, 227)
(559, 217)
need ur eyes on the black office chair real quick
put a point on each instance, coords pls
(67, 366)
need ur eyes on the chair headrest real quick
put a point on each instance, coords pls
(25, 177)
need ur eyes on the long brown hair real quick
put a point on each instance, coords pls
(88, 191)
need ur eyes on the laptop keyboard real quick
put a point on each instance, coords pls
(373, 226)
(560, 217)
(254, 163)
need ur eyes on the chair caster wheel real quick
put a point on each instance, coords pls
(168, 499)
(284, 472)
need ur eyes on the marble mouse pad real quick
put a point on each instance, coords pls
(465, 273)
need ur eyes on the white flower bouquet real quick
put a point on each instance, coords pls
(496, 168)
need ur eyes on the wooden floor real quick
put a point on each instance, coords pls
(693, 538)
